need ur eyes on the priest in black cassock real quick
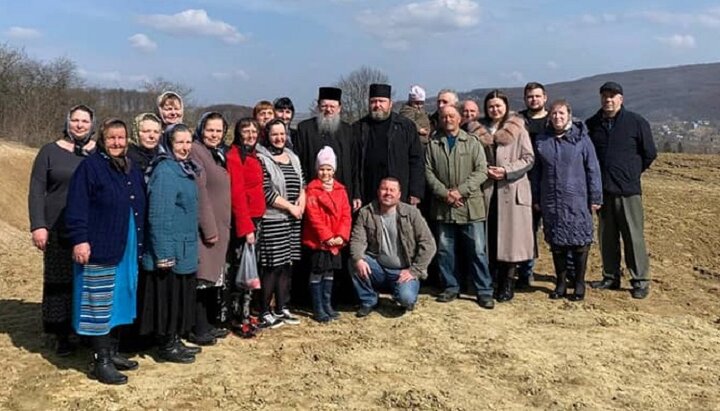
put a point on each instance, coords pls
(327, 129)
(388, 146)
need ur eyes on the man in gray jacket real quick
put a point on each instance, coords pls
(455, 169)
(391, 247)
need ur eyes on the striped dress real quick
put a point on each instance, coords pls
(104, 296)
(280, 239)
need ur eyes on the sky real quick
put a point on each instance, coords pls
(243, 51)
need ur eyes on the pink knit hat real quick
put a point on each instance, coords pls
(326, 157)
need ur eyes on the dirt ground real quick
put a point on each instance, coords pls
(608, 352)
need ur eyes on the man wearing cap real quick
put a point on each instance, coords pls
(389, 146)
(414, 110)
(625, 149)
(328, 129)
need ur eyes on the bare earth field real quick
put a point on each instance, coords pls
(609, 352)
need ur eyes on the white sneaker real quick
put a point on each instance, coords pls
(269, 321)
(286, 316)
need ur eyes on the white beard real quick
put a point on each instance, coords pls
(329, 125)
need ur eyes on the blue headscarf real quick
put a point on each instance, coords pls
(165, 152)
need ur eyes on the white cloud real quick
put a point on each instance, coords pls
(193, 22)
(515, 76)
(399, 25)
(552, 65)
(114, 78)
(22, 33)
(678, 41)
(236, 74)
(142, 42)
(708, 19)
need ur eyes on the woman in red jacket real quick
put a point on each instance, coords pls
(325, 232)
(247, 197)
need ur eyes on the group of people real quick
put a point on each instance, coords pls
(142, 227)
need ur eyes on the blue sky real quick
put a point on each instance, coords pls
(242, 51)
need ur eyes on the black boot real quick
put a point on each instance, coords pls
(121, 363)
(316, 293)
(327, 286)
(186, 348)
(560, 261)
(499, 282)
(508, 275)
(169, 350)
(580, 260)
(103, 368)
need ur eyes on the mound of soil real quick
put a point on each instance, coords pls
(608, 352)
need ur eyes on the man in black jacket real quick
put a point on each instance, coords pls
(625, 148)
(388, 146)
(327, 129)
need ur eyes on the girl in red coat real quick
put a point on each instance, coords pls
(325, 232)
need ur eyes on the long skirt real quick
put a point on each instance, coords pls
(104, 296)
(168, 305)
(57, 286)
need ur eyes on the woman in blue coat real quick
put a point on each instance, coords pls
(567, 189)
(171, 252)
(104, 221)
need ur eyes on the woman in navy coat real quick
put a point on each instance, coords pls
(567, 189)
(104, 221)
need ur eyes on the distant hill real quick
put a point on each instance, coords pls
(231, 112)
(675, 93)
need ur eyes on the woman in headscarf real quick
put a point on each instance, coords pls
(507, 191)
(144, 143)
(104, 222)
(247, 200)
(215, 212)
(280, 234)
(49, 181)
(567, 189)
(170, 108)
(171, 252)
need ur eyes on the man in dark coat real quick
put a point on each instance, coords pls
(625, 149)
(327, 129)
(389, 146)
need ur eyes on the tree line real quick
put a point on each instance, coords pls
(35, 96)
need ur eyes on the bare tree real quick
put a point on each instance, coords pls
(158, 85)
(355, 91)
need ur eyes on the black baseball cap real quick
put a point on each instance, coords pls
(611, 87)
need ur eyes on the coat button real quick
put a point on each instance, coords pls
(129, 183)
(132, 197)
(136, 214)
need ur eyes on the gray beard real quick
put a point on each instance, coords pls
(379, 115)
(328, 125)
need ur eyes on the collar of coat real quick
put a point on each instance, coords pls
(401, 209)
(505, 135)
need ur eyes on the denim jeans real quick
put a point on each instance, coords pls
(472, 236)
(384, 279)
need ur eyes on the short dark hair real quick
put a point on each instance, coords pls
(532, 86)
(392, 179)
(282, 103)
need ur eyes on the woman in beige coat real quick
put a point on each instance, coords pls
(507, 191)
(214, 221)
